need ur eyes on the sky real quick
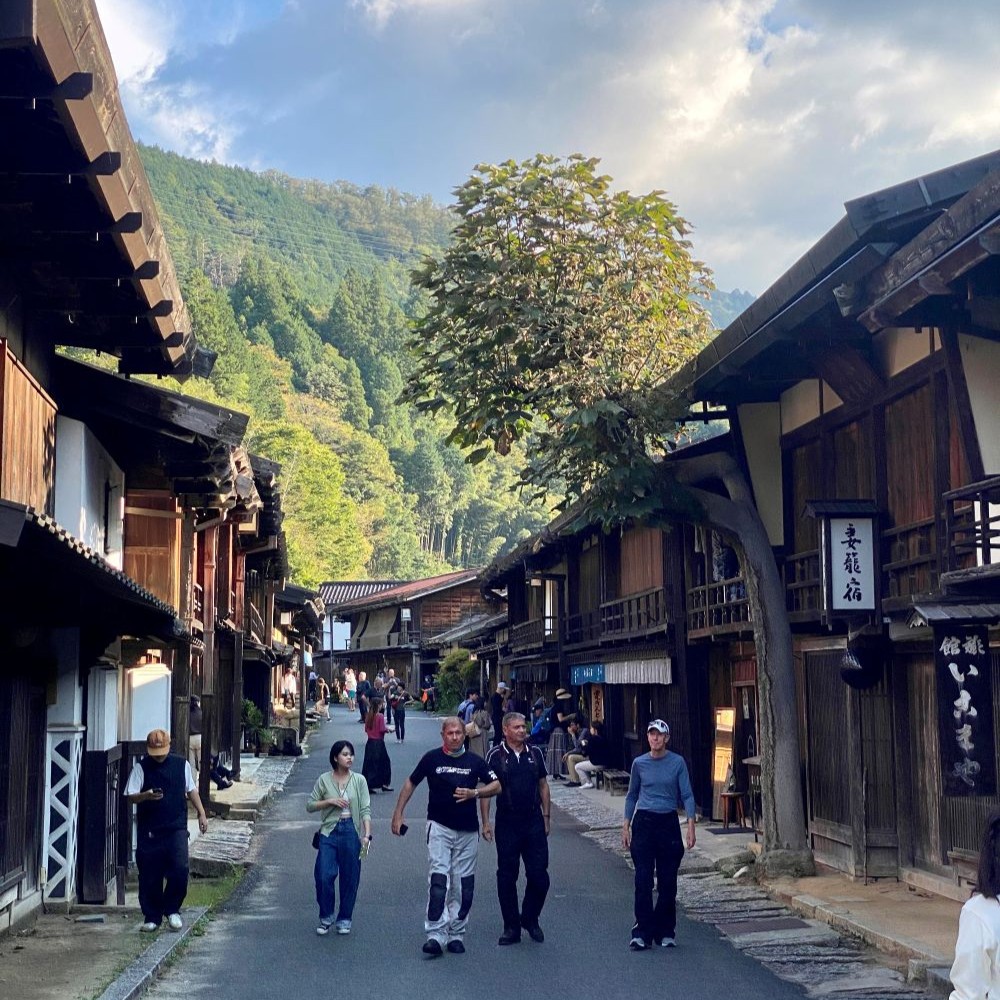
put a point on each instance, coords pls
(759, 118)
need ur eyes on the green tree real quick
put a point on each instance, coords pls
(559, 311)
(321, 523)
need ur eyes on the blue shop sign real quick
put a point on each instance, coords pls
(591, 673)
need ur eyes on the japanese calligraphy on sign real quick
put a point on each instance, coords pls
(965, 709)
(852, 564)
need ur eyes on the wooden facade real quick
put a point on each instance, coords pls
(872, 393)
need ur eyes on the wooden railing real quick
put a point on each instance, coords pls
(718, 607)
(390, 641)
(254, 623)
(912, 564)
(972, 526)
(635, 615)
(583, 627)
(534, 634)
(802, 583)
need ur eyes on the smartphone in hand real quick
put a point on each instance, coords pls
(403, 829)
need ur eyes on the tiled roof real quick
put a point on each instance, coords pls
(342, 591)
(471, 628)
(401, 593)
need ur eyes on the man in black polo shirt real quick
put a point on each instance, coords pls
(522, 830)
(453, 778)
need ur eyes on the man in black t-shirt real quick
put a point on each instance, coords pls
(455, 779)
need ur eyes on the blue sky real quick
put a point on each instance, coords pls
(758, 117)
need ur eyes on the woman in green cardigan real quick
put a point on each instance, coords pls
(343, 798)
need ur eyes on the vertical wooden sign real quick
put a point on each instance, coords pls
(965, 709)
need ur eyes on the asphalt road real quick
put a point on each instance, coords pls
(264, 943)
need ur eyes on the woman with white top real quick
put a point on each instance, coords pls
(975, 974)
(342, 797)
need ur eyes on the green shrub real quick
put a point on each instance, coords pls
(457, 672)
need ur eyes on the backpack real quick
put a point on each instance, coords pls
(544, 724)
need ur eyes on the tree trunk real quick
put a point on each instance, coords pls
(785, 844)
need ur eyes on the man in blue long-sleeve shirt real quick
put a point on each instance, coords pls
(658, 784)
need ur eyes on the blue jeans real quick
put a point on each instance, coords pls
(338, 854)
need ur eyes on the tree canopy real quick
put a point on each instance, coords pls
(556, 309)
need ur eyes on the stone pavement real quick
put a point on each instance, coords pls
(914, 927)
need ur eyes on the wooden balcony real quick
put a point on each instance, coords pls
(802, 585)
(583, 629)
(253, 623)
(912, 561)
(636, 615)
(394, 640)
(718, 609)
(972, 531)
(534, 634)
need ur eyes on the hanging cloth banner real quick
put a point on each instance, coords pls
(965, 709)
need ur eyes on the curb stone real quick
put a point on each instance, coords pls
(139, 975)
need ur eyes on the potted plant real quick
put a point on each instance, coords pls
(257, 734)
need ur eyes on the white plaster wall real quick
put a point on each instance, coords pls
(147, 701)
(760, 424)
(83, 466)
(800, 404)
(899, 349)
(830, 399)
(102, 708)
(981, 362)
(64, 647)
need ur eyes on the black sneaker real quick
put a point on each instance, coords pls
(511, 935)
(432, 948)
(638, 944)
(534, 932)
(456, 947)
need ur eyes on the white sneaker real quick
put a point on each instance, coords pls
(587, 784)
(175, 922)
(323, 929)
(149, 927)
(343, 927)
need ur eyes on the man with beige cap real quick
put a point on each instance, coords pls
(160, 786)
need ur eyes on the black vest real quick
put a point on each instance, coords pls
(169, 814)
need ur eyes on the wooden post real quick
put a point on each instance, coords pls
(237, 729)
(209, 726)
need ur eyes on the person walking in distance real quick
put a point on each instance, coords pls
(455, 779)
(658, 784)
(344, 801)
(160, 786)
(522, 829)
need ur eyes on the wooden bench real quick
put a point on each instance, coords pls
(616, 782)
(966, 866)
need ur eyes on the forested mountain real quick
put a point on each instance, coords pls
(302, 288)
(724, 307)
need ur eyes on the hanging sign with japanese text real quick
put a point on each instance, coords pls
(852, 564)
(965, 709)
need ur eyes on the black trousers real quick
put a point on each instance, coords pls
(522, 838)
(163, 874)
(657, 849)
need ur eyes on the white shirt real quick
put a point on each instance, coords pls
(976, 971)
(136, 778)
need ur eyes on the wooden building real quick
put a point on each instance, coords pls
(597, 613)
(395, 627)
(139, 543)
(861, 392)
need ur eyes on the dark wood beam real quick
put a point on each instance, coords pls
(958, 391)
(139, 339)
(24, 162)
(100, 310)
(85, 218)
(847, 372)
(75, 87)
